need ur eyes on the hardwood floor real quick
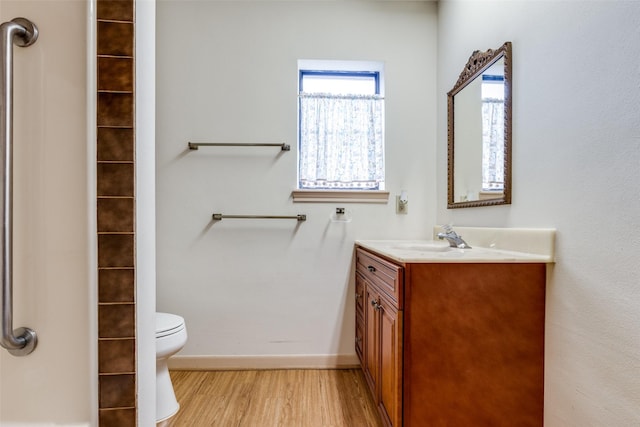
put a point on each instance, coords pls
(273, 398)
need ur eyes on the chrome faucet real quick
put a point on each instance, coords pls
(455, 240)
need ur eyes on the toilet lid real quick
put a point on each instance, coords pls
(167, 324)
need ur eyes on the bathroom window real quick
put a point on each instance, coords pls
(492, 133)
(341, 126)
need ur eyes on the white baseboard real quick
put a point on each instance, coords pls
(288, 361)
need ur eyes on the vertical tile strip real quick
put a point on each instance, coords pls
(115, 213)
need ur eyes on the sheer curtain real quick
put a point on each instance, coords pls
(341, 142)
(493, 144)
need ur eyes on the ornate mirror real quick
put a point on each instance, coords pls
(479, 131)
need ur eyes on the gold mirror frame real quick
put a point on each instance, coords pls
(479, 62)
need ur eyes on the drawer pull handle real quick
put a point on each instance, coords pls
(371, 268)
(376, 305)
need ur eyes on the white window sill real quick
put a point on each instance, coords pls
(347, 196)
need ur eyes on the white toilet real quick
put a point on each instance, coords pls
(171, 336)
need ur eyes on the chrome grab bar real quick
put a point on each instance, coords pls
(23, 33)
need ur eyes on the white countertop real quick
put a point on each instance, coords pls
(488, 245)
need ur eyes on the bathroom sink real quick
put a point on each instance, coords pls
(428, 246)
(490, 245)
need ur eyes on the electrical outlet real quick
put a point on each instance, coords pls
(401, 207)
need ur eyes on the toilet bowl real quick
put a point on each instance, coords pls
(171, 336)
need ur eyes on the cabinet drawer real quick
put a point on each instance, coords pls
(383, 274)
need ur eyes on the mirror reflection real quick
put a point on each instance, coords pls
(479, 131)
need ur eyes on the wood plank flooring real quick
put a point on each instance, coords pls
(273, 398)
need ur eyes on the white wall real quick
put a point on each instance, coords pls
(227, 72)
(576, 154)
(54, 231)
(145, 212)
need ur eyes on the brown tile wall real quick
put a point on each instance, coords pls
(115, 213)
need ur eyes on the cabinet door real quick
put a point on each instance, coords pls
(371, 339)
(360, 338)
(359, 297)
(359, 294)
(390, 363)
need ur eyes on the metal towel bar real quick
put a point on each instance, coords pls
(220, 217)
(195, 145)
(23, 33)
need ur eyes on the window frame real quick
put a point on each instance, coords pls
(339, 73)
(357, 69)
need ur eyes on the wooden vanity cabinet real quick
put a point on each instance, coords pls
(453, 344)
(381, 359)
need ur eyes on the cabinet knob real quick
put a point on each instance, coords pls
(371, 268)
(358, 296)
(376, 305)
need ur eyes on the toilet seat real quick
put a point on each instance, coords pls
(168, 324)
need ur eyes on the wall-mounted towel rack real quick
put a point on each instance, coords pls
(195, 145)
(220, 217)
